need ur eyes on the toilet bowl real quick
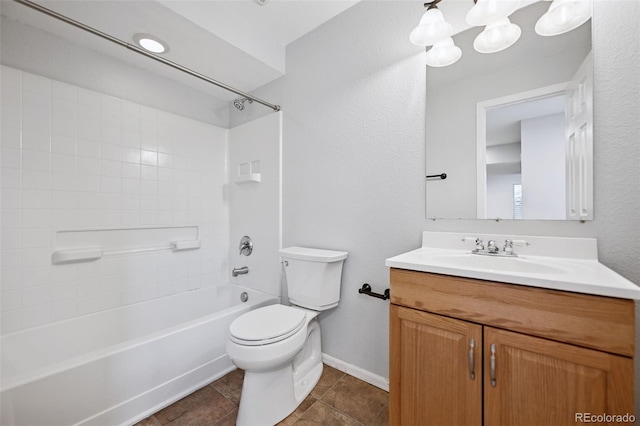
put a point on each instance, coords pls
(279, 346)
(281, 368)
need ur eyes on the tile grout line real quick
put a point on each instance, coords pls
(303, 413)
(344, 414)
(225, 397)
(319, 400)
(344, 377)
(225, 416)
(331, 387)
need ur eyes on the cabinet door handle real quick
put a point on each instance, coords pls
(472, 373)
(493, 365)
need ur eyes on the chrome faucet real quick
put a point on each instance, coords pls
(240, 271)
(493, 250)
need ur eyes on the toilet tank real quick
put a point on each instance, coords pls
(313, 276)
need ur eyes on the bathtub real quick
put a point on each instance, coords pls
(118, 366)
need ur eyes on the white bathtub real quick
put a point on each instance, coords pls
(118, 366)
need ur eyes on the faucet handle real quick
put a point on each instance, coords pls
(477, 241)
(508, 247)
(246, 246)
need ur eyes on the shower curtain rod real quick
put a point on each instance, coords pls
(141, 51)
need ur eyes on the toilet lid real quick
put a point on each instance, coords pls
(265, 325)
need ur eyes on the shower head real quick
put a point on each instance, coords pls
(239, 103)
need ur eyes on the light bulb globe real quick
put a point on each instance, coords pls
(443, 54)
(563, 16)
(497, 36)
(486, 11)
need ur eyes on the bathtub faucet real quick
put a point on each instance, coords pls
(240, 271)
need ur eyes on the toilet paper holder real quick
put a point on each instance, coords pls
(366, 289)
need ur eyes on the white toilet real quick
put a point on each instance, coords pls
(279, 346)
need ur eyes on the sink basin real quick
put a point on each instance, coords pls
(495, 263)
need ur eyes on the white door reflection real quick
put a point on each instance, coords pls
(525, 145)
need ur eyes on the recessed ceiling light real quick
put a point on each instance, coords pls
(151, 43)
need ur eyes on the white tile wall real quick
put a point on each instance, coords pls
(255, 207)
(72, 158)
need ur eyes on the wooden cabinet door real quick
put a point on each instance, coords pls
(542, 382)
(430, 370)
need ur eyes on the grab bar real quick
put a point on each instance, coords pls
(94, 253)
(174, 245)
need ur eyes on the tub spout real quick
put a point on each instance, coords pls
(240, 271)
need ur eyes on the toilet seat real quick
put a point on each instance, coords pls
(266, 325)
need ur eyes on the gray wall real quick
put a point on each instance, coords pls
(353, 156)
(33, 50)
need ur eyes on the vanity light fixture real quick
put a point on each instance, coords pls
(499, 32)
(151, 43)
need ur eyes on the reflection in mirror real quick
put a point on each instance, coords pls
(512, 129)
(522, 146)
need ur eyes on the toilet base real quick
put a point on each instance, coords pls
(270, 396)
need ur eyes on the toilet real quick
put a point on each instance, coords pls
(279, 346)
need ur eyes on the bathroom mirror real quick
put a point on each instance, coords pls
(502, 127)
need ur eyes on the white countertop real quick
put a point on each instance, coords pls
(581, 273)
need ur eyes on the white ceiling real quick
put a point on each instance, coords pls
(503, 123)
(261, 29)
(240, 42)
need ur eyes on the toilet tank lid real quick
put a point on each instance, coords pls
(312, 254)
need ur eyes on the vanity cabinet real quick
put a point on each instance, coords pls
(471, 352)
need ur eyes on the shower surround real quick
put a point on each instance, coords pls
(78, 159)
(75, 159)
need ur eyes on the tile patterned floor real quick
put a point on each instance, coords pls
(337, 399)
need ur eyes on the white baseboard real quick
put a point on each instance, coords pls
(357, 372)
